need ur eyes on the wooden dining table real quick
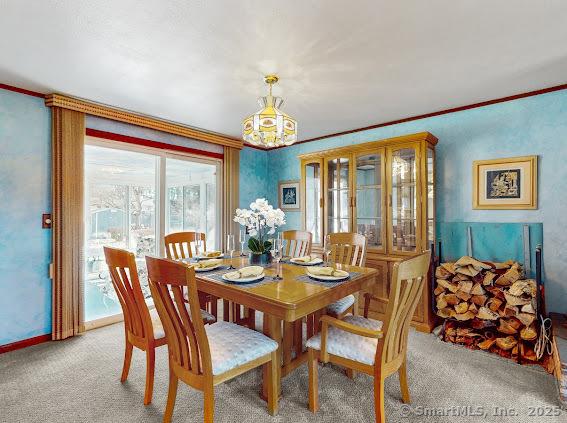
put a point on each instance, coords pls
(285, 301)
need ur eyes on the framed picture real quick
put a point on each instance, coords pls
(289, 195)
(505, 183)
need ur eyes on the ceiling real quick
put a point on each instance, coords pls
(343, 65)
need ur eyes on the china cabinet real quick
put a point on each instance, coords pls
(384, 190)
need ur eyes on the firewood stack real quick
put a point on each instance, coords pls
(488, 306)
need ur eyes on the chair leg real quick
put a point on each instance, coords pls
(150, 366)
(313, 364)
(404, 382)
(209, 409)
(273, 386)
(171, 395)
(351, 374)
(379, 399)
(127, 361)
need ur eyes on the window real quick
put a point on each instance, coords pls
(125, 208)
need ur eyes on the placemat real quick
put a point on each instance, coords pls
(216, 276)
(305, 278)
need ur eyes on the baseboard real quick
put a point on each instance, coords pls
(25, 343)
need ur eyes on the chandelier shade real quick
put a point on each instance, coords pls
(270, 127)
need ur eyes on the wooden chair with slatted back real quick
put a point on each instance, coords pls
(142, 330)
(297, 243)
(346, 248)
(370, 346)
(200, 356)
(181, 245)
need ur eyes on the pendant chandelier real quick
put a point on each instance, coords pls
(269, 127)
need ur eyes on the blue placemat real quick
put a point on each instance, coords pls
(305, 278)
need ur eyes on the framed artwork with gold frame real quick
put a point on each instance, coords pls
(506, 184)
(289, 198)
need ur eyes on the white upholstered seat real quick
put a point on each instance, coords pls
(339, 307)
(232, 345)
(348, 345)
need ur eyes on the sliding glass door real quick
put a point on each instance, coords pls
(133, 196)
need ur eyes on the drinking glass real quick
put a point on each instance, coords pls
(242, 239)
(327, 249)
(277, 250)
(199, 245)
(230, 248)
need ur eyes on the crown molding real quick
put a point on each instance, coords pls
(101, 110)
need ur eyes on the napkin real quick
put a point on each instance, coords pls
(245, 272)
(205, 264)
(327, 271)
(304, 259)
(211, 254)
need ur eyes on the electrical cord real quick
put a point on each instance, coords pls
(543, 343)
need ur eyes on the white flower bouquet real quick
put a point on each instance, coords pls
(261, 220)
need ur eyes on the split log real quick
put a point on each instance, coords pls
(477, 289)
(439, 290)
(464, 316)
(486, 314)
(479, 300)
(508, 278)
(526, 318)
(463, 295)
(506, 343)
(529, 333)
(488, 278)
(462, 307)
(453, 287)
(452, 299)
(514, 300)
(486, 344)
(494, 304)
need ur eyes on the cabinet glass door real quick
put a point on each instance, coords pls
(403, 199)
(369, 219)
(313, 214)
(430, 197)
(338, 201)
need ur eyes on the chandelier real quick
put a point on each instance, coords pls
(270, 127)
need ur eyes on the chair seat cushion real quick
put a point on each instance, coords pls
(207, 317)
(339, 307)
(232, 346)
(348, 345)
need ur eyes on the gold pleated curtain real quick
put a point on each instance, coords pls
(68, 132)
(231, 169)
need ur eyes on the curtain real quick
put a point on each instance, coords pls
(68, 132)
(231, 169)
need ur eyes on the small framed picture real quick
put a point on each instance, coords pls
(506, 184)
(289, 195)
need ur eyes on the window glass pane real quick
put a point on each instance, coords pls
(404, 206)
(312, 196)
(369, 198)
(120, 206)
(191, 188)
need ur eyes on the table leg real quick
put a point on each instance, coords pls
(273, 329)
(287, 345)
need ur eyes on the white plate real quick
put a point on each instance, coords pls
(206, 269)
(244, 280)
(209, 258)
(327, 278)
(313, 262)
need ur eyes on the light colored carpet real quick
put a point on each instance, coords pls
(78, 381)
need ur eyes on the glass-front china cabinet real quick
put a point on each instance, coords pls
(383, 190)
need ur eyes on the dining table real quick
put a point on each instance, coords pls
(284, 301)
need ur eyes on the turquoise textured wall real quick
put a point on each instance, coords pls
(25, 193)
(253, 176)
(529, 126)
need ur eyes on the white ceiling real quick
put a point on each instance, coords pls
(343, 64)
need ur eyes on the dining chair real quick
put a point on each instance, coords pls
(346, 248)
(204, 356)
(371, 346)
(297, 243)
(181, 245)
(142, 328)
